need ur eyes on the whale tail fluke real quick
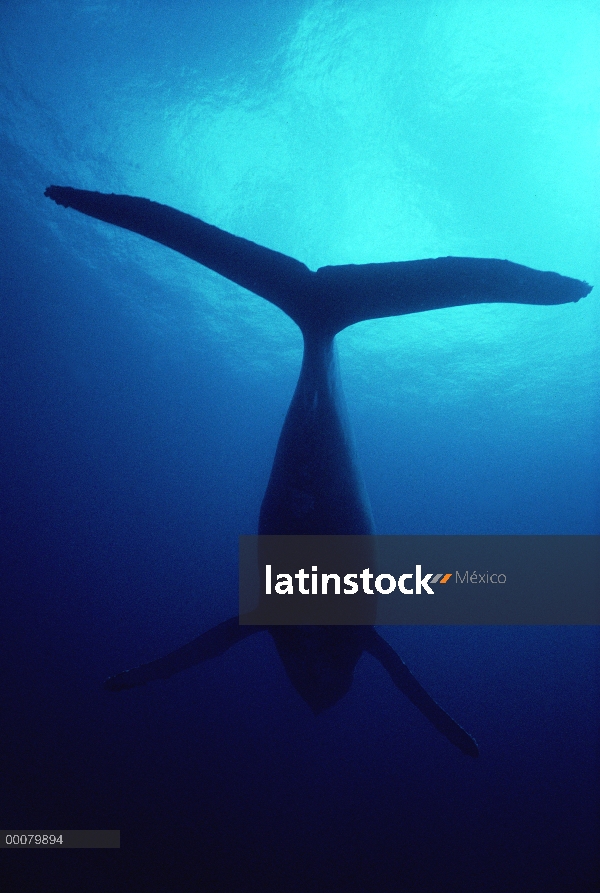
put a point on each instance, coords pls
(334, 297)
(414, 691)
(269, 274)
(210, 644)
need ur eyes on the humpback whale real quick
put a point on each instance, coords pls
(315, 486)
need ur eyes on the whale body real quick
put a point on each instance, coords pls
(315, 486)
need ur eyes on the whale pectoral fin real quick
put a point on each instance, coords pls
(414, 691)
(210, 644)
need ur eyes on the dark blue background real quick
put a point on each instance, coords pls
(142, 399)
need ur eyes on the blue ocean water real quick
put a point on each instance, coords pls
(142, 398)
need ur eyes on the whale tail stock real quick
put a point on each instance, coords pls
(332, 298)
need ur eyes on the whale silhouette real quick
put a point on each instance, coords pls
(315, 485)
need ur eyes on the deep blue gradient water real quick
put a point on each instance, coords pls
(142, 398)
